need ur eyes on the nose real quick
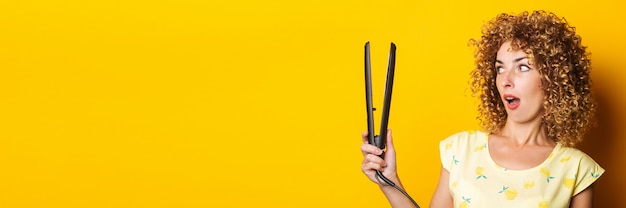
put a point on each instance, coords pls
(506, 79)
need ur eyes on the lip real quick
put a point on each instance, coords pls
(511, 106)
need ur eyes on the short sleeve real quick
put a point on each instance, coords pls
(445, 154)
(588, 172)
(454, 147)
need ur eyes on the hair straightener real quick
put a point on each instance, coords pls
(380, 140)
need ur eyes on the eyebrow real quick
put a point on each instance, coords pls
(516, 60)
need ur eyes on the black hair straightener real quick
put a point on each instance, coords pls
(380, 140)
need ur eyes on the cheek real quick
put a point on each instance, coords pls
(540, 87)
(538, 94)
(534, 91)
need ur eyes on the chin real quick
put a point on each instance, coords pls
(524, 118)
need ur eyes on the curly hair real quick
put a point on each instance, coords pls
(556, 51)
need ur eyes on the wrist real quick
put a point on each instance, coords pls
(384, 185)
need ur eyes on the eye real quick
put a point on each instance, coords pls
(499, 69)
(524, 68)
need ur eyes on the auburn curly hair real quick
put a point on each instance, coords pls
(556, 52)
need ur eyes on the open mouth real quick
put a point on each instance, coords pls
(511, 101)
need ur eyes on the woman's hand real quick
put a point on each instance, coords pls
(373, 162)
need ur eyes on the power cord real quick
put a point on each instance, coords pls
(380, 176)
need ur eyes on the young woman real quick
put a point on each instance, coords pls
(532, 80)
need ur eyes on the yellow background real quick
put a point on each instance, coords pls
(181, 103)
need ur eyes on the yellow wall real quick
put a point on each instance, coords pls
(182, 103)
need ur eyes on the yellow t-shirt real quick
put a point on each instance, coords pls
(477, 181)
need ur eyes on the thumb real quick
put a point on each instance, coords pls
(391, 151)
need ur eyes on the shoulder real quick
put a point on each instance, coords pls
(582, 167)
(565, 154)
(577, 161)
(464, 140)
(465, 137)
(461, 146)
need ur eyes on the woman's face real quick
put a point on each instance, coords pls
(519, 85)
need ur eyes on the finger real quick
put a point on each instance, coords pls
(390, 154)
(375, 159)
(389, 144)
(364, 137)
(370, 149)
(370, 166)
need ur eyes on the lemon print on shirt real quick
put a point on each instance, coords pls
(529, 184)
(565, 159)
(465, 203)
(481, 147)
(546, 173)
(569, 182)
(543, 204)
(509, 193)
(595, 175)
(479, 172)
(448, 145)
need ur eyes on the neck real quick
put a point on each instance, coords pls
(528, 133)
